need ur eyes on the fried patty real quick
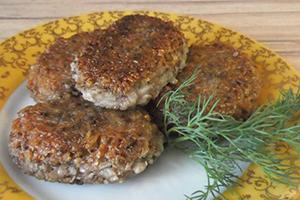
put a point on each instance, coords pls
(50, 78)
(75, 142)
(223, 72)
(130, 63)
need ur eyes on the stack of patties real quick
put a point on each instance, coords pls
(87, 126)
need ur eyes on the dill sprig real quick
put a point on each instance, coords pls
(219, 142)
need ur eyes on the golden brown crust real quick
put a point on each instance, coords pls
(77, 135)
(223, 72)
(50, 78)
(130, 51)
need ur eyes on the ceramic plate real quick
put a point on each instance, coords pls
(174, 174)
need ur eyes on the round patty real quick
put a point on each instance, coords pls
(50, 78)
(130, 63)
(223, 72)
(76, 142)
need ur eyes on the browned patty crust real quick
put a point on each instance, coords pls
(130, 63)
(76, 142)
(50, 78)
(223, 72)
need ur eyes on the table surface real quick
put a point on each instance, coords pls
(275, 23)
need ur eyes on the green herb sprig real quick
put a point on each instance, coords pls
(219, 142)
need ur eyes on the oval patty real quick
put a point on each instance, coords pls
(223, 72)
(130, 63)
(50, 79)
(76, 142)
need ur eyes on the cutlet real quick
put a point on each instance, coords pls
(223, 72)
(130, 62)
(50, 77)
(73, 141)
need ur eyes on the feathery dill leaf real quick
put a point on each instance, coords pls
(218, 142)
